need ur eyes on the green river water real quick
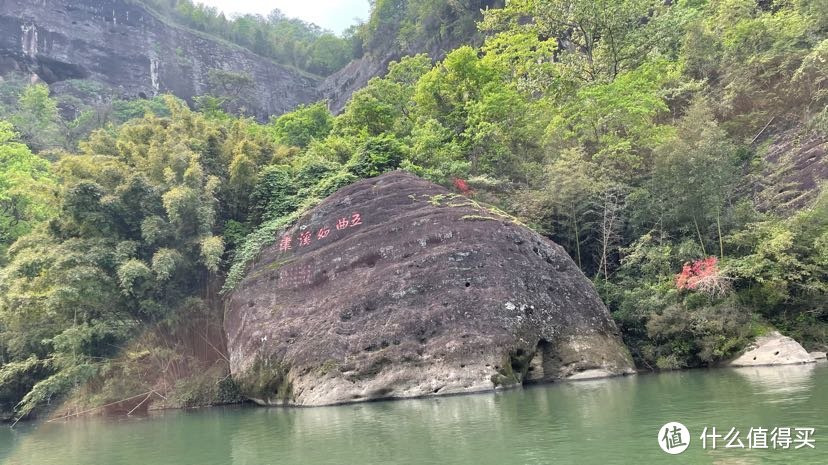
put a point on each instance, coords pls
(603, 422)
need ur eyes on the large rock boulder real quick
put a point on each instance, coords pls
(772, 349)
(394, 287)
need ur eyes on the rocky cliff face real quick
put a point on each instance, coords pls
(338, 87)
(393, 287)
(123, 45)
(795, 165)
(136, 54)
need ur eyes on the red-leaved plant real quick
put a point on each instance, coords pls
(462, 186)
(703, 276)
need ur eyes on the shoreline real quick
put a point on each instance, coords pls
(530, 385)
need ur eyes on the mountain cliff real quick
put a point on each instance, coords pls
(133, 51)
(136, 52)
(440, 27)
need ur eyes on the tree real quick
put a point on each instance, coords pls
(443, 92)
(27, 188)
(376, 156)
(780, 266)
(289, 41)
(694, 176)
(138, 231)
(327, 54)
(386, 104)
(303, 125)
(619, 122)
(233, 88)
(37, 118)
(566, 205)
(596, 40)
(812, 79)
(274, 194)
(767, 46)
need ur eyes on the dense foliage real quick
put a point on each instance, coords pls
(632, 133)
(421, 24)
(393, 26)
(27, 188)
(286, 40)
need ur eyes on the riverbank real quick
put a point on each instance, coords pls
(600, 422)
(123, 412)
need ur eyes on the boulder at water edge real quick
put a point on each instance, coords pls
(772, 349)
(817, 355)
(394, 287)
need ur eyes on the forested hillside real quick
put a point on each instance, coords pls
(394, 25)
(289, 41)
(665, 145)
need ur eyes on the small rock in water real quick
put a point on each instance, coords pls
(818, 355)
(772, 349)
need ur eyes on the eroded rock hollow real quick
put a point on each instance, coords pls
(394, 287)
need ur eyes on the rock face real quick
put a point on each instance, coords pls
(818, 355)
(134, 53)
(796, 166)
(393, 287)
(338, 87)
(773, 349)
(124, 45)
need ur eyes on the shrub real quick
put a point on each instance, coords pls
(703, 276)
(376, 156)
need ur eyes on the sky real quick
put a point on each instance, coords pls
(335, 15)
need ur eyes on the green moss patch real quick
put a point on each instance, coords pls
(267, 380)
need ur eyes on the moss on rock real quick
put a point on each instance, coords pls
(266, 381)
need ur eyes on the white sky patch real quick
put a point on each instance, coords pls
(335, 15)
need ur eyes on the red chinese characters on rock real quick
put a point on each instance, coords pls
(342, 223)
(306, 238)
(284, 244)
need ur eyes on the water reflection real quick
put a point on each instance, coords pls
(786, 384)
(599, 422)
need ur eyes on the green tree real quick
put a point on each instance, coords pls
(303, 125)
(377, 155)
(600, 39)
(694, 177)
(37, 118)
(386, 104)
(619, 122)
(137, 233)
(27, 188)
(327, 54)
(274, 194)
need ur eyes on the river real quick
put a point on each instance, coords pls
(602, 422)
